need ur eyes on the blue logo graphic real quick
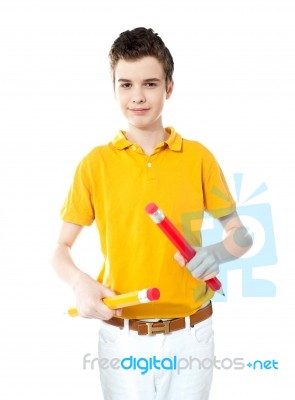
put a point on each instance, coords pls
(257, 218)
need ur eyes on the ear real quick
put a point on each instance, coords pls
(169, 89)
(113, 84)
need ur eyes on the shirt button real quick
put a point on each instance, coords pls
(149, 164)
(133, 147)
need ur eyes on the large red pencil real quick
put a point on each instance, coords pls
(185, 249)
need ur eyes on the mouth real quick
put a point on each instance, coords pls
(139, 110)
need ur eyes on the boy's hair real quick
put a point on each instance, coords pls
(139, 43)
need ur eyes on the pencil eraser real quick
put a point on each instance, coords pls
(151, 208)
(153, 294)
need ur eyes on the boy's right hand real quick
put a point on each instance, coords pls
(89, 294)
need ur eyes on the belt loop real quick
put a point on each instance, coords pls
(126, 331)
(188, 325)
(126, 328)
(123, 331)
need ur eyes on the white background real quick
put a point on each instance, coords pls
(234, 92)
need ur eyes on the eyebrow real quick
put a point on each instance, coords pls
(145, 80)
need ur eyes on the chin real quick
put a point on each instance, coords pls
(139, 125)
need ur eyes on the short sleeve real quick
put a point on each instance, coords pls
(78, 206)
(217, 197)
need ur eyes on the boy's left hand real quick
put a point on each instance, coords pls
(203, 266)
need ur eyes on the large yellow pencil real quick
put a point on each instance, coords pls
(126, 299)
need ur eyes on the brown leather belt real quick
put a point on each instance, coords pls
(150, 328)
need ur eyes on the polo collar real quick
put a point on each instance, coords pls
(174, 142)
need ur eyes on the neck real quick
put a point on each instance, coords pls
(147, 138)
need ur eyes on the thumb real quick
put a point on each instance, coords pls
(180, 259)
(106, 292)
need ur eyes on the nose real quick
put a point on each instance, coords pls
(138, 96)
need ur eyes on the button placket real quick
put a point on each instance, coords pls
(151, 173)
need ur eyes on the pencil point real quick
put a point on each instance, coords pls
(220, 291)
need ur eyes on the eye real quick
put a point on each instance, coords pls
(125, 85)
(151, 84)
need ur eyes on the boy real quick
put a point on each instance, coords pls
(112, 185)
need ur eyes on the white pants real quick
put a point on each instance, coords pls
(172, 366)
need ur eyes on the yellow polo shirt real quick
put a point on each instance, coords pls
(114, 183)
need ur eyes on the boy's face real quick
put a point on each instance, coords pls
(140, 89)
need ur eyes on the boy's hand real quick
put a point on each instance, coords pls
(89, 294)
(204, 265)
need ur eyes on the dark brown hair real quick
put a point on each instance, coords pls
(139, 43)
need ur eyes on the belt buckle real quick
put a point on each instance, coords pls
(160, 329)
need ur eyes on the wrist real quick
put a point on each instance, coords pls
(76, 279)
(237, 243)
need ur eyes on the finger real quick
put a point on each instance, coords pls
(98, 310)
(106, 317)
(209, 276)
(91, 314)
(118, 312)
(199, 270)
(210, 272)
(105, 311)
(196, 262)
(207, 266)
